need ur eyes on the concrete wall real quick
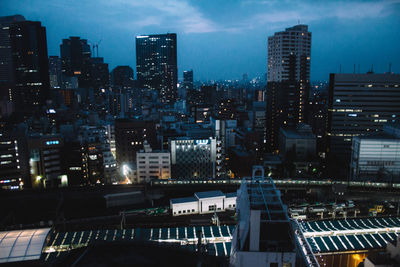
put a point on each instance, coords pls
(206, 202)
(185, 208)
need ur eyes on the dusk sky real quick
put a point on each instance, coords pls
(223, 39)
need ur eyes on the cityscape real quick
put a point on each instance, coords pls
(243, 133)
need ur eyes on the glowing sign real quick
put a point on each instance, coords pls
(201, 142)
(54, 142)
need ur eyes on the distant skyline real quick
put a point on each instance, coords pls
(224, 39)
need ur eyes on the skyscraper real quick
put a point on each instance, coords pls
(288, 81)
(359, 104)
(6, 61)
(75, 59)
(156, 64)
(30, 64)
(187, 83)
(55, 71)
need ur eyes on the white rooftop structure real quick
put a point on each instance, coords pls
(22, 245)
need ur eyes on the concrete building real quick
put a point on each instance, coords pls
(45, 160)
(152, 165)
(129, 138)
(203, 203)
(264, 235)
(298, 143)
(360, 104)
(288, 80)
(98, 162)
(156, 65)
(192, 158)
(376, 157)
(14, 172)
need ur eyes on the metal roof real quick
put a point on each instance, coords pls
(233, 194)
(22, 245)
(209, 194)
(183, 200)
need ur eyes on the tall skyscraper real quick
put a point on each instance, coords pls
(288, 81)
(359, 104)
(55, 71)
(6, 61)
(187, 84)
(156, 64)
(75, 59)
(30, 64)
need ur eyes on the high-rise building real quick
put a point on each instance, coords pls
(359, 104)
(156, 64)
(122, 76)
(288, 81)
(55, 71)
(6, 60)
(29, 48)
(187, 83)
(75, 59)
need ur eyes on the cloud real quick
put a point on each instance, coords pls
(319, 10)
(171, 14)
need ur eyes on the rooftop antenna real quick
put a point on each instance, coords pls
(390, 67)
(340, 68)
(298, 21)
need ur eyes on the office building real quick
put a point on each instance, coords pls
(129, 138)
(297, 143)
(359, 104)
(99, 74)
(156, 65)
(193, 159)
(7, 70)
(288, 81)
(14, 170)
(45, 160)
(29, 82)
(152, 165)
(187, 84)
(375, 157)
(98, 163)
(122, 76)
(55, 71)
(75, 59)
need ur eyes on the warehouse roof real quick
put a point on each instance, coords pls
(209, 194)
(233, 194)
(22, 245)
(183, 200)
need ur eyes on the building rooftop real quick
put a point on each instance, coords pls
(301, 132)
(233, 194)
(209, 194)
(183, 200)
(22, 245)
